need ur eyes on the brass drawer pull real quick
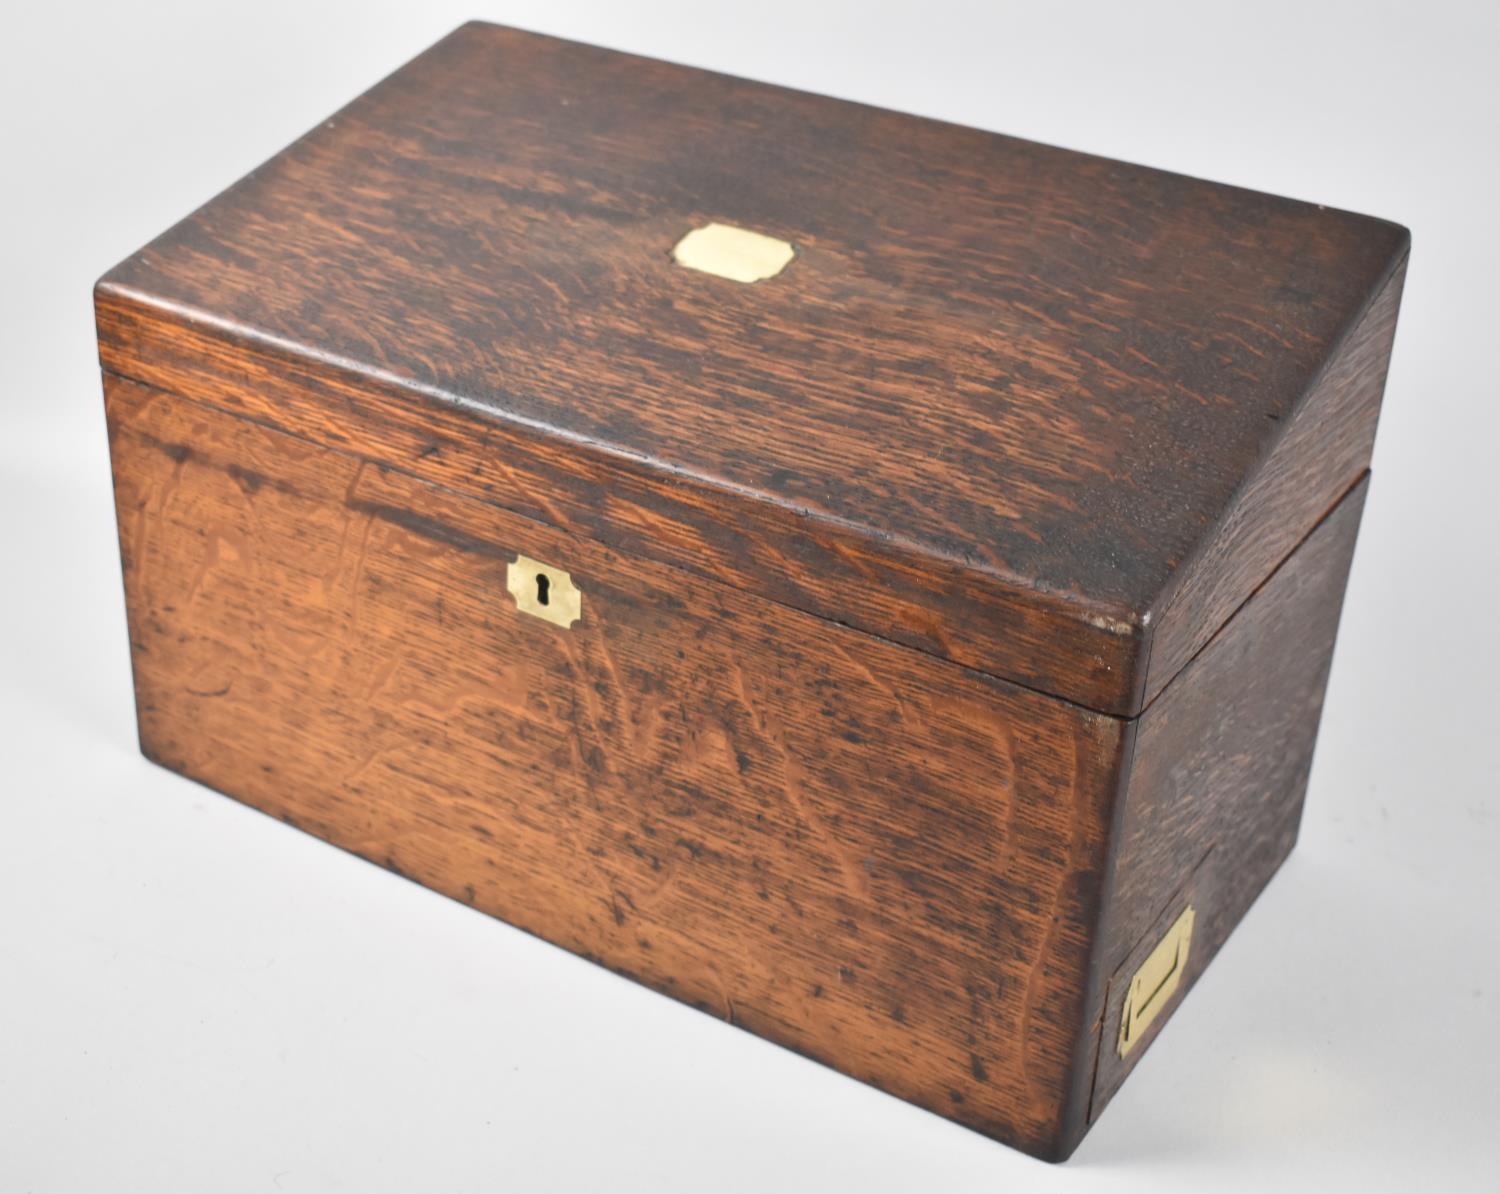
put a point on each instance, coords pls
(1155, 982)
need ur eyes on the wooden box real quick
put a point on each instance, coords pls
(869, 579)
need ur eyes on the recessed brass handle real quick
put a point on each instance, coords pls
(1155, 982)
(544, 591)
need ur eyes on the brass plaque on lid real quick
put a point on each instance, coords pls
(734, 253)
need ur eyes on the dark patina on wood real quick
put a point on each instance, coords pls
(918, 579)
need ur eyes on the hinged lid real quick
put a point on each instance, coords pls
(1028, 409)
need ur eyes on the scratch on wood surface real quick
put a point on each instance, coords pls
(854, 875)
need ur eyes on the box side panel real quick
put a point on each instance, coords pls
(1322, 450)
(863, 853)
(1217, 778)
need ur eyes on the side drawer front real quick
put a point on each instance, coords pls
(872, 856)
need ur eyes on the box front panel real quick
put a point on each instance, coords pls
(846, 846)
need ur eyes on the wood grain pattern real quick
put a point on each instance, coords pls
(1326, 441)
(956, 603)
(874, 857)
(834, 572)
(1000, 407)
(1217, 779)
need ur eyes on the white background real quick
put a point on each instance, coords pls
(196, 998)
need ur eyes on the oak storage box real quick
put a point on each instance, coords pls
(912, 655)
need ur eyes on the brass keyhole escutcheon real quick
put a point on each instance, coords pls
(543, 591)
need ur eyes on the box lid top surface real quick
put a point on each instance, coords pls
(1041, 371)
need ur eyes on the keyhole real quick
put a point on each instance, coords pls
(542, 585)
